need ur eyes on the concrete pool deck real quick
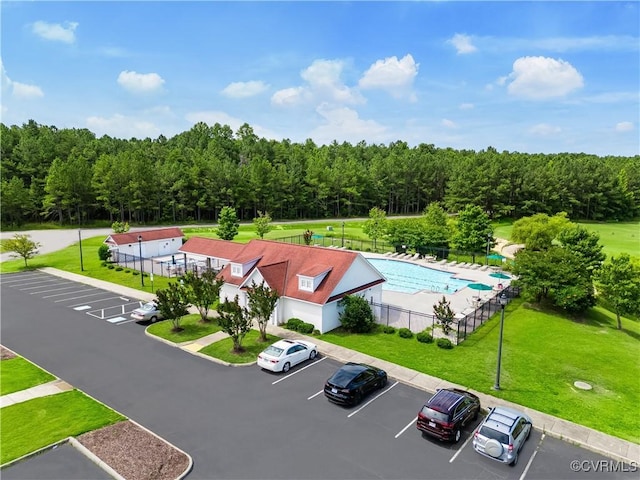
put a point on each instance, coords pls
(463, 301)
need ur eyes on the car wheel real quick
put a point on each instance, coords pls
(456, 436)
(514, 462)
(154, 319)
(529, 432)
(475, 415)
(286, 367)
(357, 398)
(313, 354)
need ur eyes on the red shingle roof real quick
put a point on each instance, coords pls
(211, 247)
(147, 236)
(280, 263)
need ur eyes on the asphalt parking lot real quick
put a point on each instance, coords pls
(246, 423)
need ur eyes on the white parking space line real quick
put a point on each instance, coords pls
(315, 394)
(53, 289)
(81, 296)
(94, 301)
(38, 286)
(83, 307)
(130, 320)
(116, 319)
(412, 422)
(462, 447)
(21, 280)
(526, 469)
(298, 371)
(115, 310)
(69, 293)
(372, 400)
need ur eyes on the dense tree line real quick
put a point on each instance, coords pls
(70, 176)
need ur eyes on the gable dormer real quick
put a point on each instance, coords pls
(240, 268)
(309, 280)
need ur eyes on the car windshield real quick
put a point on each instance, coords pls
(489, 432)
(273, 351)
(434, 414)
(147, 307)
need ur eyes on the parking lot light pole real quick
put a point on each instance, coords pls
(503, 302)
(80, 242)
(343, 234)
(488, 246)
(141, 262)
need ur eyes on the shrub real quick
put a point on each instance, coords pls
(316, 332)
(111, 267)
(306, 328)
(294, 324)
(135, 272)
(119, 269)
(104, 253)
(127, 271)
(405, 333)
(104, 264)
(357, 316)
(388, 329)
(424, 337)
(444, 343)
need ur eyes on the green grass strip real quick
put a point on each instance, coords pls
(31, 425)
(19, 374)
(223, 349)
(192, 327)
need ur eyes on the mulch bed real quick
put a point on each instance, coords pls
(135, 453)
(6, 354)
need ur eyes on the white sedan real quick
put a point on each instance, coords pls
(284, 354)
(148, 312)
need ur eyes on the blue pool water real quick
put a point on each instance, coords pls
(408, 277)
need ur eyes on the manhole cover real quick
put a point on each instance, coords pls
(582, 385)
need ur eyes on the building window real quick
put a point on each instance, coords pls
(305, 283)
(236, 270)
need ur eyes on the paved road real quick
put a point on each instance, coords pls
(244, 423)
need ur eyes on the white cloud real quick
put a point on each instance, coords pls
(544, 130)
(449, 123)
(55, 31)
(120, 126)
(22, 90)
(466, 106)
(244, 89)
(344, 124)
(323, 83)
(393, 75)
(290, 96)
(540, 78)
(19, 90)
(462, 43)
(140, 82)
(624, 127)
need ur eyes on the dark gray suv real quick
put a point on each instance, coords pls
(502, 434)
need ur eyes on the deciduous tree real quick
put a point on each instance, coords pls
(537, 232)
(203, 290)
(444, 314)
(235, 321)
(262, 223)
(173, 303)
(22, 246)
(228, 224)
(472, 231)
(618, 284)
(262, 303)
(376, 226)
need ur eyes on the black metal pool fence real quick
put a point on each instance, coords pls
(398, 317)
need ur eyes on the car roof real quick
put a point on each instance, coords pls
(503, 419)
(444, 400)
(285, 343)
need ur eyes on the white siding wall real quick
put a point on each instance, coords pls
(155, 248)
(307, 312)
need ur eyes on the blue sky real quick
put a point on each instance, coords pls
(520, 76)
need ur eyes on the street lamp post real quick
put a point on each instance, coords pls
(80, 241)
(141, 262)
(488, 247)
(503, 302)
(343, 234)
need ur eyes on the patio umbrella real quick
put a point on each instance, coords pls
(495, 256)
(480, 286)
(499, 275)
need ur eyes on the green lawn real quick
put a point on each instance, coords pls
(616, 238)
(193, 328)
(543, 354)
(19, 374)
(31, 425)
(223, 349)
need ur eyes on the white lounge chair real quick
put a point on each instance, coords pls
(416, 256)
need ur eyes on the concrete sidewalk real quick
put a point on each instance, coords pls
(594, 440)
(49, 388)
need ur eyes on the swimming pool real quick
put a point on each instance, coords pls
(408, 277)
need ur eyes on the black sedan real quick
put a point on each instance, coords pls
(352, 382)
